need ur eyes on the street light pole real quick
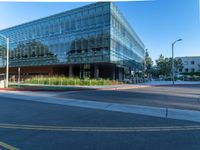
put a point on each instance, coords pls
(7, 59)
(7, 63)
(173, 71)
(173, 63)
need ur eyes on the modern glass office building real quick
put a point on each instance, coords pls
(92, 41)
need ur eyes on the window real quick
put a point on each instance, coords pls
(66, 26)
(85, 21)
(78, 22)
(73, 25)
(38, 31)
(106, 8)
(106, 18)
(61, 27)
(185, 62)
(98, 10)
(99, 20)
(56, 28)
(192, 70)
(47, 30)
(51, 29)
(92, 11)
(192, 62)
(91, 20)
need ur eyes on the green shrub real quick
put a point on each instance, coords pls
(60, 80)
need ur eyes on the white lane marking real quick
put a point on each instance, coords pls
(7, 146)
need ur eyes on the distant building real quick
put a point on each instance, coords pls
(190, 64)
(92, 41)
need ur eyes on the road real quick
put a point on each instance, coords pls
(181, 97)
(28, 125)
(32, 125)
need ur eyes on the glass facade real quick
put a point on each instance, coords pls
(126, 47)
(96, 33)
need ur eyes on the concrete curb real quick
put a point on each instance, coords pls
(38, 90)
(177, 85)
(83, 89)
(125, 88)
(99, 89)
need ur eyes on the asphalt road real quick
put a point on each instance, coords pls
(38, 126)
(181, 97)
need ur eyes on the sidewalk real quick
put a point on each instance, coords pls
(48, 88)
(168, 83)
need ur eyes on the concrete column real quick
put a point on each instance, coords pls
(70, 71)
(96, 71)
(120, 74)
(123, 73)
(81, 73)
(19, 73)
(113, 70)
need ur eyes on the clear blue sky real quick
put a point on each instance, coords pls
(158, 23)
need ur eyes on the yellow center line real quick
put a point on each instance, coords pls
(98, 129)
(7, 146)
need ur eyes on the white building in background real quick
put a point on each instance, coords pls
(190, 64)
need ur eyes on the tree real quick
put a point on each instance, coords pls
(148, 63)
(164, 65)
(178, 64)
